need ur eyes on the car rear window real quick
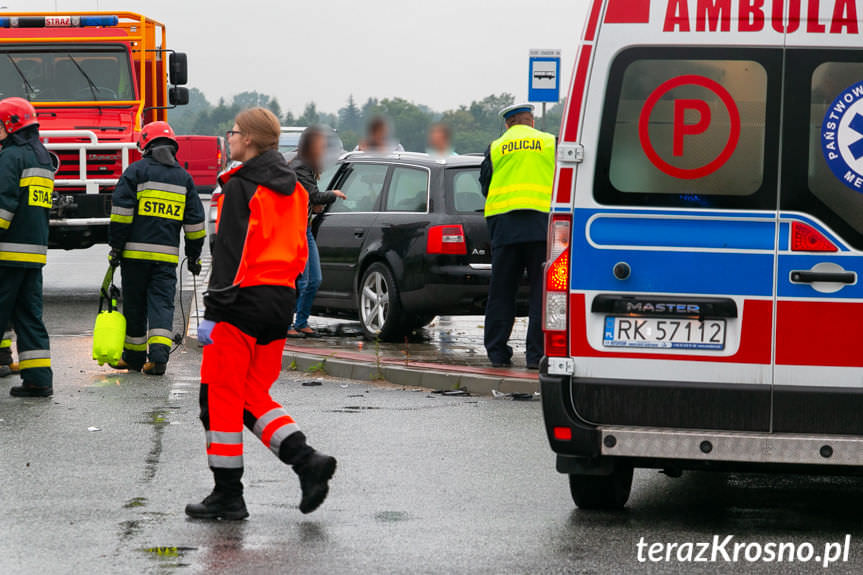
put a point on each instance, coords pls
(465, 190)
(690, 127)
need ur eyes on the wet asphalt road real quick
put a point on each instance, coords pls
(426, 484)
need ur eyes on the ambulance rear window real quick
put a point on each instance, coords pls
(688, 127)
(823, 139)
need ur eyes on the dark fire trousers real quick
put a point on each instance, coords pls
(148, 304)
(508, 263)
(6, 346)
(21, 306)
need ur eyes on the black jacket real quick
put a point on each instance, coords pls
(262, 311)
(153, 201)
(309, 180)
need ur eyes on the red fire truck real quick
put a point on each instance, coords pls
(95, 78)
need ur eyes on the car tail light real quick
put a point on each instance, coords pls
(556, 293)
(446, 240)
(805, 238)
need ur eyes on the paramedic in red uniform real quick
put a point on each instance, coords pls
(260, 251)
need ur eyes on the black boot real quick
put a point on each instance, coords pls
(315, 471)
(25, 390)
(153, 368)
(226, 501)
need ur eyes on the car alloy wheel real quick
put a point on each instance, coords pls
(375, 301)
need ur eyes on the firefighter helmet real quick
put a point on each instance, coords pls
(155, 131)
(17, 113)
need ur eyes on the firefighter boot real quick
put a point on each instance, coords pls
(315, 471)
(225, 502)
(25, 390)
(154, 368)
(122, 364)
(9, 369)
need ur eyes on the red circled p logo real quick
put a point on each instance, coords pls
(681, 129)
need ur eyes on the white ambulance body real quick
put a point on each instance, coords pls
(703, 302)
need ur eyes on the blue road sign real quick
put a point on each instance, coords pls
(544, 80)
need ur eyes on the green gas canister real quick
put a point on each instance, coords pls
(109, 333)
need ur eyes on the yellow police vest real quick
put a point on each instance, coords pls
(522, 171)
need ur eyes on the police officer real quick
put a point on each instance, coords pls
(26, 189)
(516, 176)
(153, 200)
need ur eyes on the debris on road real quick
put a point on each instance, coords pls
(515, 396)
(94, 428)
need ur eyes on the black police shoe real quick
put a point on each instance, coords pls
(315, 471)
(31, 391)
(152, 368)
(219, 505)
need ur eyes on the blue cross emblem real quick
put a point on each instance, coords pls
(856, 148)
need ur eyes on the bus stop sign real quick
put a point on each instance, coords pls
(544, 81)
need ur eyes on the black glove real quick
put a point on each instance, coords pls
(114, 257)
(194, 267)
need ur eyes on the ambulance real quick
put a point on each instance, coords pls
(703, 306)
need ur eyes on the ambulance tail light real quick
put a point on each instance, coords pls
(805, 238)
(556, 293)
(448, 240)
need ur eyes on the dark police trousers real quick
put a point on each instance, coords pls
(508, 263)
(21, 306)
(148, 305)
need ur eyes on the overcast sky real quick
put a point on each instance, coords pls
(441, 53)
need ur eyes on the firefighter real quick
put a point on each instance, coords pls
(261, 250)
(154, 199)
(516, 176)
(26, 189)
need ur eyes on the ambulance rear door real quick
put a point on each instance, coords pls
(675, 222)
(819, 323)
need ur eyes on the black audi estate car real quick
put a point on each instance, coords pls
(409, 243)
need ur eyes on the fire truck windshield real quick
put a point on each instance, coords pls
(66, 74)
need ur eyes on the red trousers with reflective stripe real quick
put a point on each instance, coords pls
(236, 376)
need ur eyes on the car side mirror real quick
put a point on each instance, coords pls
(178, 96)
(178, 68)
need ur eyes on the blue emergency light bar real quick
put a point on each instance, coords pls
(58, 21)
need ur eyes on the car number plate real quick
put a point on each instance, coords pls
(664, 333)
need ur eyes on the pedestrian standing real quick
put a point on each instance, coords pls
(516, 176)
(440, 141)
(26, 190)
(154, 200)
(262, 249)
(308, 165)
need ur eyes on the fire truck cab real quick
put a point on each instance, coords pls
(94, 78)
(703, 302)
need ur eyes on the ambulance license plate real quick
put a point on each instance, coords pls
(664, 333)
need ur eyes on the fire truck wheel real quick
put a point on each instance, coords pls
(602, 491)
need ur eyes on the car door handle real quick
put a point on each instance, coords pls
(359, 232)
(808, 277)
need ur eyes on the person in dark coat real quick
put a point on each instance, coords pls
(308, 165)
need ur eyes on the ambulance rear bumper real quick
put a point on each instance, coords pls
(732, 447)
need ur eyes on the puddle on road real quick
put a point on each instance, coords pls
(391, 516)
(170, 556)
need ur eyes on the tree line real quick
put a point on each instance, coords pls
(473, 125)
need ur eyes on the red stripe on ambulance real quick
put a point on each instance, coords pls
(627, 12)
(837, 342)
